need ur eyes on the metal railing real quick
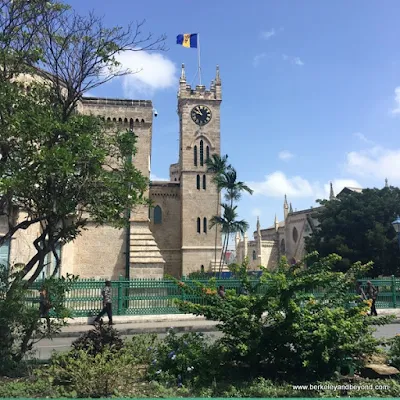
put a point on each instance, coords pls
(155, 297)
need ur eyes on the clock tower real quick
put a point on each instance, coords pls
(199, 122)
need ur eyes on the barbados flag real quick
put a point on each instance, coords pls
(188, 40)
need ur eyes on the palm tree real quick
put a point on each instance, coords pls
(228, 224)
(218, 166)
(234, 190)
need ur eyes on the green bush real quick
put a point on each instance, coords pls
(184, 360)
(394, 351)
(142, 348)
(285, 333)
(97, 339)
(81, 374)
(20, 323)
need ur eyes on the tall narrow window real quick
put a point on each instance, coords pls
(5, 255)
(157, 215)
(195, 156)
(205, 225)
(254, 255)
(198, 182)
(198, 225)
(207, 153)
(201, 153)
(204, 182)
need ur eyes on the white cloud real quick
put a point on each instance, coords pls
(376, 162)
(278, 184)
(257, 59)
(396, 110)
(150, 72)
(363, 138)
(256, 212)
(157, 179)
(293, 60)
(268, 34)
(285, 155)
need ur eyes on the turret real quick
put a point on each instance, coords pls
(386, 183)
(245, 243)
(237, 240)
(276, 223)
(290, 208)
(331, 193)
(258, 239)
(182, 80)
(285, 208)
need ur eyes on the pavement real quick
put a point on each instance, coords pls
(138, 324)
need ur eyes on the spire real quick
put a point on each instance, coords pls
(290, 208)
(258, 224)
(285, 208)
(183, 76)
(276, 223)
(237, 239)
(217, 77)
(386, 183)
(331, 194)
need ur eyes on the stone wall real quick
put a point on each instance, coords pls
(167, 234)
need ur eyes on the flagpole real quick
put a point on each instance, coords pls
(198, 56)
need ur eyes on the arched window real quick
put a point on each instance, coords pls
(131, 125)
(205, 225)
(201, 153)
(195, 156)
(283, 248)
(125, 120)
(207, 153)
(157, 215)
(295, 235)
(202, 269)
(198, 225)
(254, 255)
(204, 182)
(198, 182)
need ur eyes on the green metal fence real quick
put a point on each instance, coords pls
(151, 296)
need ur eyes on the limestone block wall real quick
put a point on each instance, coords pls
(167, 234)
(269, 254)
(100, 252)
(195, 257)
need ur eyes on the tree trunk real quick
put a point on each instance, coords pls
(222, 254)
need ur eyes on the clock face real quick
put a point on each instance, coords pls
(201, 115)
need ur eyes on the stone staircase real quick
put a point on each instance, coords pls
(215, 267)
(145, 257)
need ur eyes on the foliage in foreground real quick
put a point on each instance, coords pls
(20, 324)
(279, 330)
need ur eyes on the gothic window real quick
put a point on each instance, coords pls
(198, 182)
(205, 225)
(157, 215)
(52, 262)
(198, 225)
(5, 254)
(207, 153)
(131, 125)
(195, 155)
(295, 235)
(202, 269)
(254, 255)
(201, 153)
(283, 248)
(204, 182)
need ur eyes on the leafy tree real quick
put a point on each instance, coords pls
(280, 330)
(217, 165)
(358, 226)
(59, 169)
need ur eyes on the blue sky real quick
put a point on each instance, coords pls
(311, 90)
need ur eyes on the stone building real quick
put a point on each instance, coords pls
(284, 238)
(173, 236)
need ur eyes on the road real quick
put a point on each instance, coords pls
(45, 347)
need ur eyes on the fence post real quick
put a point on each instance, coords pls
(119, 312)
(394, 291)
(183, 291)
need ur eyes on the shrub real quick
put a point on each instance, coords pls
(142, 348)
(20, 323)
(285, 332)
(97, 339)
(81, 374)
(184, 360)
(394, 351)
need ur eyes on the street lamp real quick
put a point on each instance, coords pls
(396, 226)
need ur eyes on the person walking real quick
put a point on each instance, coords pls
(107, 303)
(44, 306)
(360, 291)
(221, 292)
(372, 294)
